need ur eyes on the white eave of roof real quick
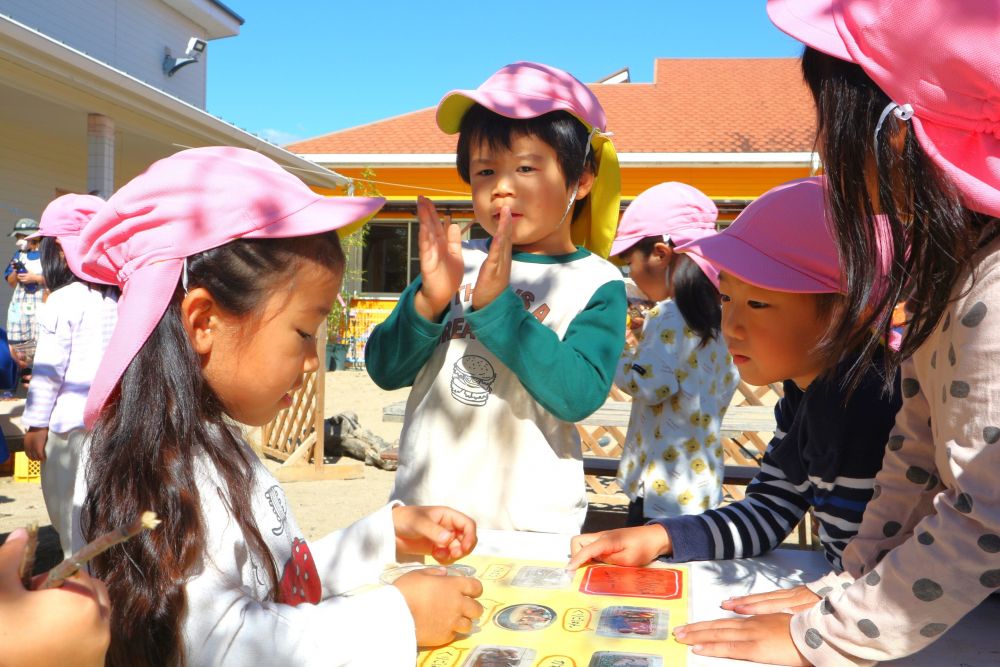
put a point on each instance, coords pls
(217, 19)
(791, 159)
(56, 61)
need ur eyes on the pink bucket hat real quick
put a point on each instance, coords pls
(63, 219)
(528, 90)
(182, 205)
(675, 210)
(780, 242)
(937, 59)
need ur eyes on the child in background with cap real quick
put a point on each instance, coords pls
(781, 288)
(228, 266)
(509, 341)
(908, 102)
(24, 274)
(677, 369)
(73, 332)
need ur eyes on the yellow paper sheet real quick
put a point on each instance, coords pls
(536, 615)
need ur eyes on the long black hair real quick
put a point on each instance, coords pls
(932, 234)
(56, 271)
(694, 294)
(160, 419)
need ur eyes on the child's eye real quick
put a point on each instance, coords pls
(756, 304)
(524, 169)
(304, 335)
(724, 298)
(484, 172)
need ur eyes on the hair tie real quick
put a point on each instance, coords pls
(903, 112)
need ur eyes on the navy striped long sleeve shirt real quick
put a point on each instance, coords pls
(823, 455)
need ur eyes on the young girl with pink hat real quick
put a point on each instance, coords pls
(509, 341)
(228, 266)
(782, 292)
(73, 331)
(908, 97)
(676, 367)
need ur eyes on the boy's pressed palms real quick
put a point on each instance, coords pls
(494, 274)
(441, 263)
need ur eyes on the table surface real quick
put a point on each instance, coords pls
(738, 419)
(973, 642)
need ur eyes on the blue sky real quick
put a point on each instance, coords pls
(302, 68)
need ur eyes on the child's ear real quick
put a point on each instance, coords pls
(586, 183)
(662, 252)
(198, 314)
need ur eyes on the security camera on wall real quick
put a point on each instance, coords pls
(195, 47)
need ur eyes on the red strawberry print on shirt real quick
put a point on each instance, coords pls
(300, 580)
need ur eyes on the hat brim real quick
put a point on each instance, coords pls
(454, 105)
(148, 290)
(730, 254)
(812, 22)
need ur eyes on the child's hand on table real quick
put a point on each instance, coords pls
(784, 600)
(635, 546)
(494, 274)
(441, 606)
(441, 263)
(60, 626)
(440, 532)
(765, 638)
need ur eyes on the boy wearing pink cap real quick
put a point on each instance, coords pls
(507, 342)
(676, 367)
(780, 282)
(74, 327)
(908, 101)
(228, 265)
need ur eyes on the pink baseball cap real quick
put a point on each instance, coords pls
(528, 90)
(940, 57)
(780, 242)
(63, 219)
(675, 210)
(182, 205)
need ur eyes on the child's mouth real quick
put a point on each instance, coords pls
(739, 359)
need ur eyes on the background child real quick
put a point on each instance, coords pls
(907, 96)
(781, 289)
(74, 328)
(59, 627)
(228, 266)
(677, 369)
(508, 341)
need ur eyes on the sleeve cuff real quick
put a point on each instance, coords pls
(497, 310)
(806, 634)
(414, 321)
(689, 538)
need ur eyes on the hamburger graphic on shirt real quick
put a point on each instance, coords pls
(472, 380)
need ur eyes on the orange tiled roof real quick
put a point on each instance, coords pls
(698, 105)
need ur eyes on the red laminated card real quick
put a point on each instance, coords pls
(638, 582)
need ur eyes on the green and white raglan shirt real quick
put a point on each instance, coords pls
(680, 391)
(489, 426)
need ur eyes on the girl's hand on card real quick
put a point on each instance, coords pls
(34, 443)
(61, 626)
(635, 546)
(785, 601)
(440, 532)
(441, 263)
(764, 638)
(441, 606)
(494, 274)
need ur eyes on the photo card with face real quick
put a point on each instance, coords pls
(500, 656)
(616, 659)
(633, 623)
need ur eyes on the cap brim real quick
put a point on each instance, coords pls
(732, 255)
(36, 235)
(344, 214)
(454, 105)
(143, 301)
(811, 22)
(620, 245)
(971, 159)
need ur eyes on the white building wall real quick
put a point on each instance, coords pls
(130, 35)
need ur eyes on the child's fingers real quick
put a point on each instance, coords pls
(596, 550)
(10, 559)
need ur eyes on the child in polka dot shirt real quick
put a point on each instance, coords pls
(779, 299)
(908, 102)
(675, 365)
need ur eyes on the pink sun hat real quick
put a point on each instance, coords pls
(182, 205)
(675, 210)
(780, 242)
(936, 58)
(63, 219)
(528, 90)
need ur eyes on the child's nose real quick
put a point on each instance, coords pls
(731, 326)
(311, 363)
(503, 186)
